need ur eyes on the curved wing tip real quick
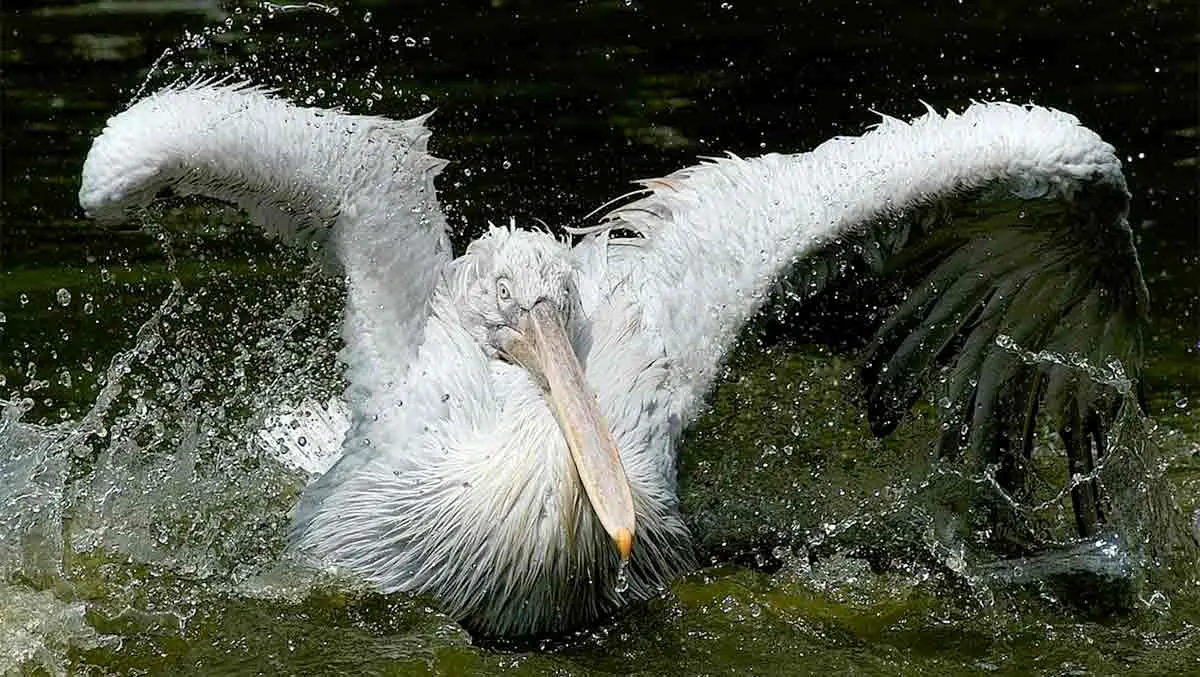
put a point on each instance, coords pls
(97, 206)
(106, 196)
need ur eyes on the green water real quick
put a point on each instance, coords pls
(157, 545)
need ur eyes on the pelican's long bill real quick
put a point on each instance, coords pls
(543, 347)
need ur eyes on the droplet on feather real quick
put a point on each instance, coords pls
(622, 577)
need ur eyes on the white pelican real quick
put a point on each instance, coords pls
(514, 413)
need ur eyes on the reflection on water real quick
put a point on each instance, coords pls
(142, 524)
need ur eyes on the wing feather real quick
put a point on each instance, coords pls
(1007, 225)
(360, 187)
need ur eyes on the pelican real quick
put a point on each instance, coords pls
(514, 414)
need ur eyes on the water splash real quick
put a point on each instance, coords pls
(311, 52)
(1144, 516)
(1111, 373)
(622, 585)
(161, 475)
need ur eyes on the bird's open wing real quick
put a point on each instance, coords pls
(361, 187)
(1007, 224)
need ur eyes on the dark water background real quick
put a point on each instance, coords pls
(547, 110)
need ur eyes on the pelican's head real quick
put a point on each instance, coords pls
(518, 299)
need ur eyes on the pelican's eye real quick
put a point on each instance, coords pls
(502, 291)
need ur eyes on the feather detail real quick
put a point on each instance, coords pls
(360, 185)
(1007, 222)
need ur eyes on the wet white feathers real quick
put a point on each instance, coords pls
(454, 481)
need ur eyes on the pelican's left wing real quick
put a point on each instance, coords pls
(360, 187)
(1007, 223)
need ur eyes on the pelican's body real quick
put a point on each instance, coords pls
(463, 486)
(496, 470)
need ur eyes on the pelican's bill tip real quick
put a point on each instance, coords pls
(624, 541)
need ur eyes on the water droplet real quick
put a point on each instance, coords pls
(1181, 403)
(410, 42)
(622, 577)
(63, 296)
(24, 299)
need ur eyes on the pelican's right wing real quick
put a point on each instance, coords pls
(359, 186)
(1006, 226)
